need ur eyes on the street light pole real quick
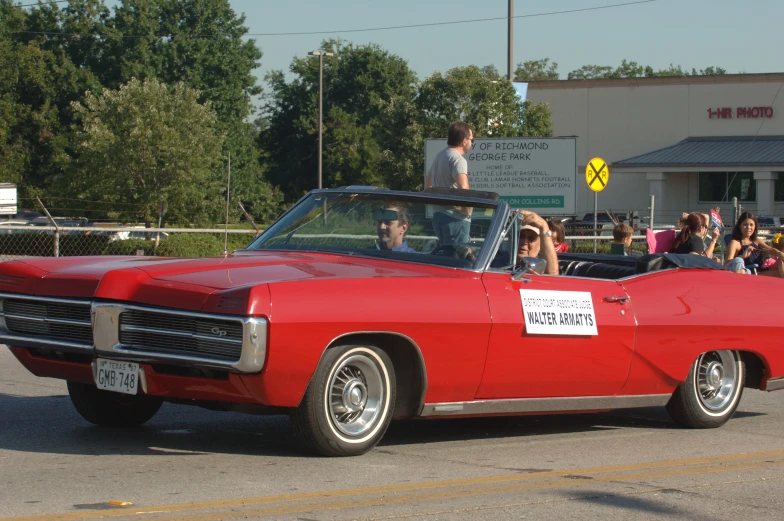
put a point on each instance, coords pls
(320, 54)
(510, 41)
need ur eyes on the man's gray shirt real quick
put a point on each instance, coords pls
(446, 167)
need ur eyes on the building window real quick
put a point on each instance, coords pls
(778, 190)
(721, 187)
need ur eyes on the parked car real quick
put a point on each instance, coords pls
(335, 316)
(136, 232)
(9, 227)
(63, 222)
(769, 221)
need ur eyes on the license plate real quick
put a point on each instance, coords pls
(120, 377)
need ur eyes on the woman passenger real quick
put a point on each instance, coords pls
(746, 249)
(691, 239)
(557, 229)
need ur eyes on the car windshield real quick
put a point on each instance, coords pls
(389, 224)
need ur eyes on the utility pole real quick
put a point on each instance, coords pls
(320, 53)
(510, 41)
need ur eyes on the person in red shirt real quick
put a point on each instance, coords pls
(557, 229)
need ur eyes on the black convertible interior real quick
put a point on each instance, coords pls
(600, 266)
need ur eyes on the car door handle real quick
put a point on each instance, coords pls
(621, 300)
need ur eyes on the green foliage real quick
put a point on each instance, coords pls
(491, 107)
(77, 244)
(630, 69)
(367, 95)
(190, 245)
(239, 241)
(28, 243)
(129, 247)
(36, 88)
(145, 143)
(536, 70)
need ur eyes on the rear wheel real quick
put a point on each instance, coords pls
(110, 409)
(712, 391)
(348, 405)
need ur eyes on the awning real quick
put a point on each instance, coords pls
(735, 151)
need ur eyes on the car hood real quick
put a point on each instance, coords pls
(81, 276)
(251, 268)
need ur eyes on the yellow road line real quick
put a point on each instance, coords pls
(551, 500)
(457, 494)
(406, 487)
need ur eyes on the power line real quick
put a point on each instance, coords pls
(49, 2)
(388, 28)
(433, 24)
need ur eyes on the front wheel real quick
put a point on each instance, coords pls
(348, 404)
(711, 393)
(110, 409)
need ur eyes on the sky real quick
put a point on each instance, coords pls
(738, 36)
(741, 37)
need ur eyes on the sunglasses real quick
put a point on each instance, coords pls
(530, 237)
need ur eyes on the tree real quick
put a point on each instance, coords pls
(367, 114)
(202, 44)
(709, 71)
(630, 69)
(37, 84)
(536, 70)
(590, 72)
(491, 107)
(148, 142)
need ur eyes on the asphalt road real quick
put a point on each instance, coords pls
(197, 465)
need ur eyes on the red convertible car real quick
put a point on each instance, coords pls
(361, 305)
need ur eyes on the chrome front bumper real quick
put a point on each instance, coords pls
(233, 343)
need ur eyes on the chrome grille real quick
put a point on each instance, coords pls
(178, 334)
(49, 320)
(11, 280)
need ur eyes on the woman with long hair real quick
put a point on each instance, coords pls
(691, 238)
(746, 249)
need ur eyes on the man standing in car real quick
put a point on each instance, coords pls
(450, 170)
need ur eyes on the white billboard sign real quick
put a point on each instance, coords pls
(538, 174)
(7, 198)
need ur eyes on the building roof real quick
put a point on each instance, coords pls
(767, 77)
(732, 151)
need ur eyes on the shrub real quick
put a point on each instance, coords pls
(239, 241)
(129, 247)
(77, 244)
(190, 245)
(27, 243)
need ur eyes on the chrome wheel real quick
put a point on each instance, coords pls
(716, 379)
(357, 389)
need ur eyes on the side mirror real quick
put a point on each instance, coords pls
(530, 265)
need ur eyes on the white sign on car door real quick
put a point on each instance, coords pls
(558, 312)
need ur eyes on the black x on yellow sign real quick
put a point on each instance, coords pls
(597, 174)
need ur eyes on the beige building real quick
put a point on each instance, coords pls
(693, 142)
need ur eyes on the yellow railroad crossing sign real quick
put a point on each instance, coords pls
(597, 174)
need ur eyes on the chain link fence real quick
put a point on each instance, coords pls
(20, 241)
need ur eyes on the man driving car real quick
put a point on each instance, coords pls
(392, 222)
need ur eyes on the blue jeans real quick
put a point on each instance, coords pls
(450, 230)
(737, 264)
